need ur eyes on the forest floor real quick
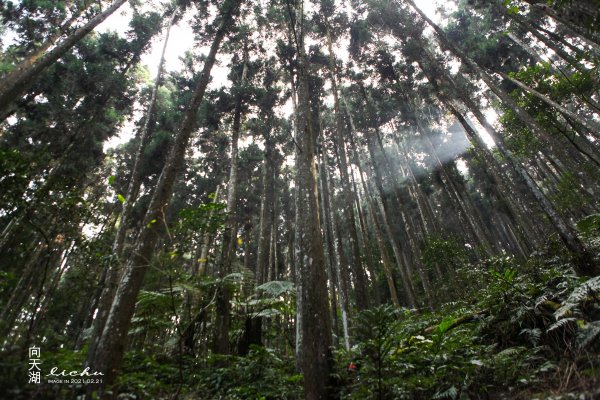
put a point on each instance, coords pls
(521, 330)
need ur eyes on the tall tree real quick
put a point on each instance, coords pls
(14, 84)
(113, 338)
(582, 257)
(315, 352)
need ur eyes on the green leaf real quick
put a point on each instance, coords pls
(588, 334)
(445, 324)
(451, 393)
(589, 225)
(269, 312)
(276, 288)
(121, 198)
(111, 180)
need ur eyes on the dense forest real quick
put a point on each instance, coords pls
(321, 199)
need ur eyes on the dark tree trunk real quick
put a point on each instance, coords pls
(110, 279)
(114, 336)
(582, 258)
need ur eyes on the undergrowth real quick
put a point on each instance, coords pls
(518, 330)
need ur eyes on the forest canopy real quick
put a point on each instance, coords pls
(319, 199)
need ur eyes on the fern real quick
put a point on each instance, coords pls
(588, 334)
(450, 393)
(533, 335)
(560, 323)
(540, 300)
(276, 288)
(510, 352)
(152, 302)
(269, 312)
(578, 296)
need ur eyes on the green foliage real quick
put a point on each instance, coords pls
(447, 250)
(262, 374)
(154, 312)
(576, 87)
(207, 217)
(147, 377)
(271, 299)
(276, 288)
(511, 7)
(589, 226)
(568, 194)
(508, 335)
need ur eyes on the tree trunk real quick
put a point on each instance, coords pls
(202, 260)
(266, 212)
(582, 258)
(111, 279)
(590, 39)
(223, 307)
(362, 301)
(20, 294)
(316, 358)
(568, 114)
(334, 246)
(385, 258)
(113, 340)
(16, 82)
(400, 256)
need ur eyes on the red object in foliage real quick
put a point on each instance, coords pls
(352, 367)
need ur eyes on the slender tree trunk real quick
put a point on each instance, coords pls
(21, 292)
(534, 54)
(113, 340)
(400, 256)
(464, 208)
(297, 249)
(266, 212)
(316, 359)
(582, 258)
(112, 276)
(558, 38)
(46, 295)
(552, 103)
(510, 102)
(587, 37)
(364, 237)
(385, 258)
(362, 300)
(200, 267)
(327, 214)
(223, 307)
(535, 31)
(37, 53)
(16, 82)
(335, 250)
(505, 187)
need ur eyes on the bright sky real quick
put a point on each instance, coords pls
(182, 37)
(182, 40)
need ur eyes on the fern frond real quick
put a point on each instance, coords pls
(560, 323)
(588, 334)
(450, 393)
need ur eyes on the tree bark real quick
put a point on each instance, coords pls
(316, 358)
(112, 276)
(16, 82)
(582, 258)
(223, 307)
(113, 340)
